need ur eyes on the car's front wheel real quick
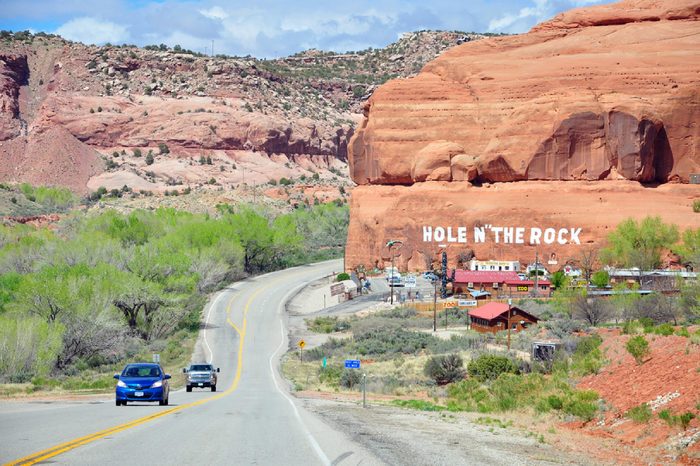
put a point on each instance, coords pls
(118, 403)
(189, 388)
(213, 388)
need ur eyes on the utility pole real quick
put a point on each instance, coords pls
(390, 244)
(435, 305)
(509, 311)
(537, 282)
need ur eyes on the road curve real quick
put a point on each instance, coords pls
(252, 419)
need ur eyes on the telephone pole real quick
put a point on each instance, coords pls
(537, 281)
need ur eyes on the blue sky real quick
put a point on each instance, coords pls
(270, 28)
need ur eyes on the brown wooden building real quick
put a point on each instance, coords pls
(494, 317)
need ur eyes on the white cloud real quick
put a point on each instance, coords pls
(215, 12)
(93, 31)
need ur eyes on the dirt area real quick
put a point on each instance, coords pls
(669, 378)
(401, 436)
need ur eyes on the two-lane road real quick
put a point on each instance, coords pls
(251, 419)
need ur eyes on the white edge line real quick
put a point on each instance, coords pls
(206, 326)
(314, 444)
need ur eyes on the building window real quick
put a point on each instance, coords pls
(495, 285)
(507, 267)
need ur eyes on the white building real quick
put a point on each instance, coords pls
(502, 266)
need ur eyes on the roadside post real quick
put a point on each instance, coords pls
(301, 344)
(355, 364)
(156, 358)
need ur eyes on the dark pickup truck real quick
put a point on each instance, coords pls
(201, 375)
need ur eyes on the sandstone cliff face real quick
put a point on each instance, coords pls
(577, 111)
(596, 93)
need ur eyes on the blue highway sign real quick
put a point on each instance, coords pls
(352, 363)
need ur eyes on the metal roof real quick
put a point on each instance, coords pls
(483, 276)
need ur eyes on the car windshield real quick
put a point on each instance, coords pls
(141, 371)
(200, 367)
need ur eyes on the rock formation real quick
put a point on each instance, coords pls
(595, 93)
(603, 93)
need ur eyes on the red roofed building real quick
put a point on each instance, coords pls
(497, 283)
(481, 280)
(494, 317)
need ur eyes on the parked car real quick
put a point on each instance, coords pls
(201, 375)
(395, 281)
(430, 276)
(142, 382)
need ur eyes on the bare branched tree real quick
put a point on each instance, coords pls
(591, 310)
(588, 260)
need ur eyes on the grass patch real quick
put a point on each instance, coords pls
(640, 414)
(490, 421)
(419, 405)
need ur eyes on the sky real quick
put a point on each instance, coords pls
(271, 28)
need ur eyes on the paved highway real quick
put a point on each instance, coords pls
(252, 419)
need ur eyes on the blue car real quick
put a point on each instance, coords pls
(142, 382)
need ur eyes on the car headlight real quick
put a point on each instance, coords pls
(157, 384)
(120, 383)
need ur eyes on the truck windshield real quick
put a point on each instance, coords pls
(200, 367)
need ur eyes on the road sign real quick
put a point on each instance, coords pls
(467, 303)
(410, 281)
(337, 288)
(352, 363)
(301, 343)
(156, 357)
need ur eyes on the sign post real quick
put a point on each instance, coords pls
(355, 364)
(301, 344)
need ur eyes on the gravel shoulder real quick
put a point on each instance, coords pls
(402, 436)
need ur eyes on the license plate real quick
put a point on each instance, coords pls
(200, 384)
(138, 393)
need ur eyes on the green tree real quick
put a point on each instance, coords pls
(689, 250)
(149, 159)
(558, 280)
(600, 279)
(634, 244)
(638, 347)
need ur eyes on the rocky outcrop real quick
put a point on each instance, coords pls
(14, 73)
(596, 93)
(382, 213)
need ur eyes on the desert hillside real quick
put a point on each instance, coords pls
(86, 116)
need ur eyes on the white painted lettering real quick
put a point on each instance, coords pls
(479, 235)
(574, 236)
(549, 235)
(496, 232)
(462, 234)
(427, 234)
(520, 235)
(439, 234)
(508, 235)
(535, 235)
(561, 235)
(450, 237)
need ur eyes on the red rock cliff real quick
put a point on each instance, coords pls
(604, 93)
(595, 93)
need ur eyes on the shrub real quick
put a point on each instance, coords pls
(330, 375)
(696, 205)
(640, 414)
(327, 324)
(163, 148)
(350, 378)
(638, 347)
(587, 359)
(582, 404)
(285, 181)
(445, 369)
(685, 418)
(600, 279)
(490, 366)
(420, 405)
(683, 332)
(555, 402)
(149, 159)
(342, 276)
(666, 416)
(137, 152)
(664, 329)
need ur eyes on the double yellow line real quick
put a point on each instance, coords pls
(56, 450)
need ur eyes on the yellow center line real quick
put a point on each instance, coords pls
(75, 443)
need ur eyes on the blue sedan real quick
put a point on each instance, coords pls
(142, 382)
